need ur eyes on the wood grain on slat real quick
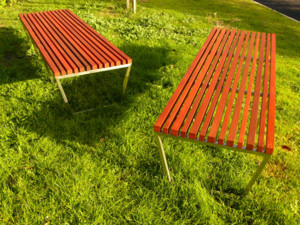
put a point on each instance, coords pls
(85, 45)
(113, 48)
(45, 45)
(233, 93)
(63, 56)
(69, 37)
(201, 76)
(104, 50)
(188, 102)
(271, 113)
(255, 104)
(81, 63)
(218, 116)
(263, 110)
(208, 95)
(184, 81)
(50, 43)
(220, 84)
(249, 93)
(41, 48)
(64, 32)
(187, 89)
(239, 101)
(72, 60)
(83, 50)
(89, 39)
(83, 36)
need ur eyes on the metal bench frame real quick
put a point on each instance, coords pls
(128, 66)
(179, 119)
(164, 162)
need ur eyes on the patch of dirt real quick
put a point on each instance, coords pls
(277, 170)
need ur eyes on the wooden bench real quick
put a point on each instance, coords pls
(70, 47)
(227, 97)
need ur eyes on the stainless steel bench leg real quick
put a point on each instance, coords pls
(63, 94)
(62, 91)
(134, 6)
(257, 173)
(126, 79)
(163, 156)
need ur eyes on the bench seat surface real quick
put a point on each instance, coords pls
(69, 45)
(227, 96)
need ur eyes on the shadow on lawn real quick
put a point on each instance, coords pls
(15, 64)
(102, 91)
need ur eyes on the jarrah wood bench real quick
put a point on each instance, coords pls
(70, 47)
(227, 97)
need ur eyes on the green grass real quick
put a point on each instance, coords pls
(103, 166)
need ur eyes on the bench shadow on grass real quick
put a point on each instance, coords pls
(15, 64)
(213, 180)
(102, 91)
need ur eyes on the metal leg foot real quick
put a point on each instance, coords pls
(62, 91)
(163, 156)
(257, 173)
(50, 76)
(64, 95)
(126, 80)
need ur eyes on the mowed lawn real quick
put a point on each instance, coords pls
(103, 167)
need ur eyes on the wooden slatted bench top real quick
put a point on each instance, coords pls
(69, 45)
(227, 96)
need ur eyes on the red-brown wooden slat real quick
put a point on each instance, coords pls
(219, 87)
(46, 46)
(233, 93)
(90, 51)
(255, 104)
(82, 34)
(83, 50)
(39, 45)
(80, 54)
(117, 52)
(261, 136)
(184, 94)
(195, 75)
(81, 63)
(50, 43)
(113, 60)
(202, 110)
(249, 94)
(239, 102)
(69, 63)
(191, 96)
(184, 81)
(218, 116)
(272, 91)
(120, 58)
(188, 102)
(198, 99)
(68, 54)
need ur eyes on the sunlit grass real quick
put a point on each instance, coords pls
(103, 166)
